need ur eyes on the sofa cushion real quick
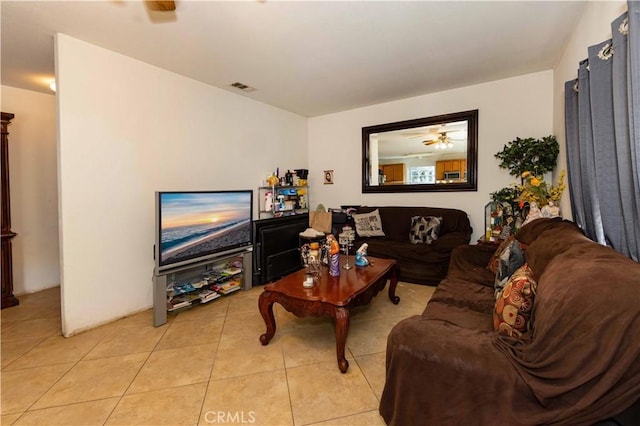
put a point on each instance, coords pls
(512, 315)
(442, 373)
(510, 260)
(465, 295)
(469, 263)
(368, 224)
(422, 253)
(424, 230)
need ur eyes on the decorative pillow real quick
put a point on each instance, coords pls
(495, 259)
(368, 224)
(424, 229)
(509, 261)
(512, 313)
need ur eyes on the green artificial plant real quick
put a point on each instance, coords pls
(509, 194)
(537, 156)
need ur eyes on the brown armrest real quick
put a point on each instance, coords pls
(451, 240)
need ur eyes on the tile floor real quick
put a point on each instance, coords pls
(205, 366)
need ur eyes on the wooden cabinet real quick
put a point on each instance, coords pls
(8, 299)
(440, 170)
(393, 172)
(445, 168)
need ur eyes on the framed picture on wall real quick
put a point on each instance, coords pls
(328, 177)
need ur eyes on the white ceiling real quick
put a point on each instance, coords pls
(311, 58)
(407, 143)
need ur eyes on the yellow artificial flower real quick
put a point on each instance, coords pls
(536, 190)
(556, 191)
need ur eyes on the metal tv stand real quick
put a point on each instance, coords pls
(192, 272)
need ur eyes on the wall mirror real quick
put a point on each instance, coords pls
(437, 153)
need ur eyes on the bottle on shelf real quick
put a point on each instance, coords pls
(268, 201)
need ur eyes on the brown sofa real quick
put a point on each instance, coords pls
(578, 365)
(417, 263)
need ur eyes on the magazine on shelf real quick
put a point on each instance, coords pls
(173, 307)
(232, 271)
(222, 275)
(208, 295)
(181, 288)
(199, 284)
(181, 301)
(174, 304)
(228, 287)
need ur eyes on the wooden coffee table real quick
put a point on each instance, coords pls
(330, 296)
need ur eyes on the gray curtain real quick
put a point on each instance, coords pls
(602, 115)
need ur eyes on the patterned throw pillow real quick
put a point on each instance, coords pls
(512, 313)
(509, 261)
(424, 229)
(368, 224)
(495, 259)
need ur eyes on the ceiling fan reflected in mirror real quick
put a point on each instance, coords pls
(454, 130)
(443, 140)
(430, 132)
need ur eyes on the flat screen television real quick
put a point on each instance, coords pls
(198, 225)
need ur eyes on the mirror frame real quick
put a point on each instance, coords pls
(472, 154)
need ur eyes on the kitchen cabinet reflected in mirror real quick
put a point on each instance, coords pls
(426, 154)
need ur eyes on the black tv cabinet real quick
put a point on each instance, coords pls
(276, 247)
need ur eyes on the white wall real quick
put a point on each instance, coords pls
(34, 192)
(510, 108)
(593, 27)
(126, 130)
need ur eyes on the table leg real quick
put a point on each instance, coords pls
(342, 328)
(393, 278)
(265, 303)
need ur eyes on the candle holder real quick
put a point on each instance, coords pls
(345, 239)
(309, 280)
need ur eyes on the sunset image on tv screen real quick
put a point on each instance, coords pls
(195, 224)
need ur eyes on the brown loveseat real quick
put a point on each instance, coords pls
(578, 365)
(417, 263)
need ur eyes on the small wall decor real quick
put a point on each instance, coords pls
(328, 177)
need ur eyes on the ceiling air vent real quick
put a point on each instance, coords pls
(242, 87)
